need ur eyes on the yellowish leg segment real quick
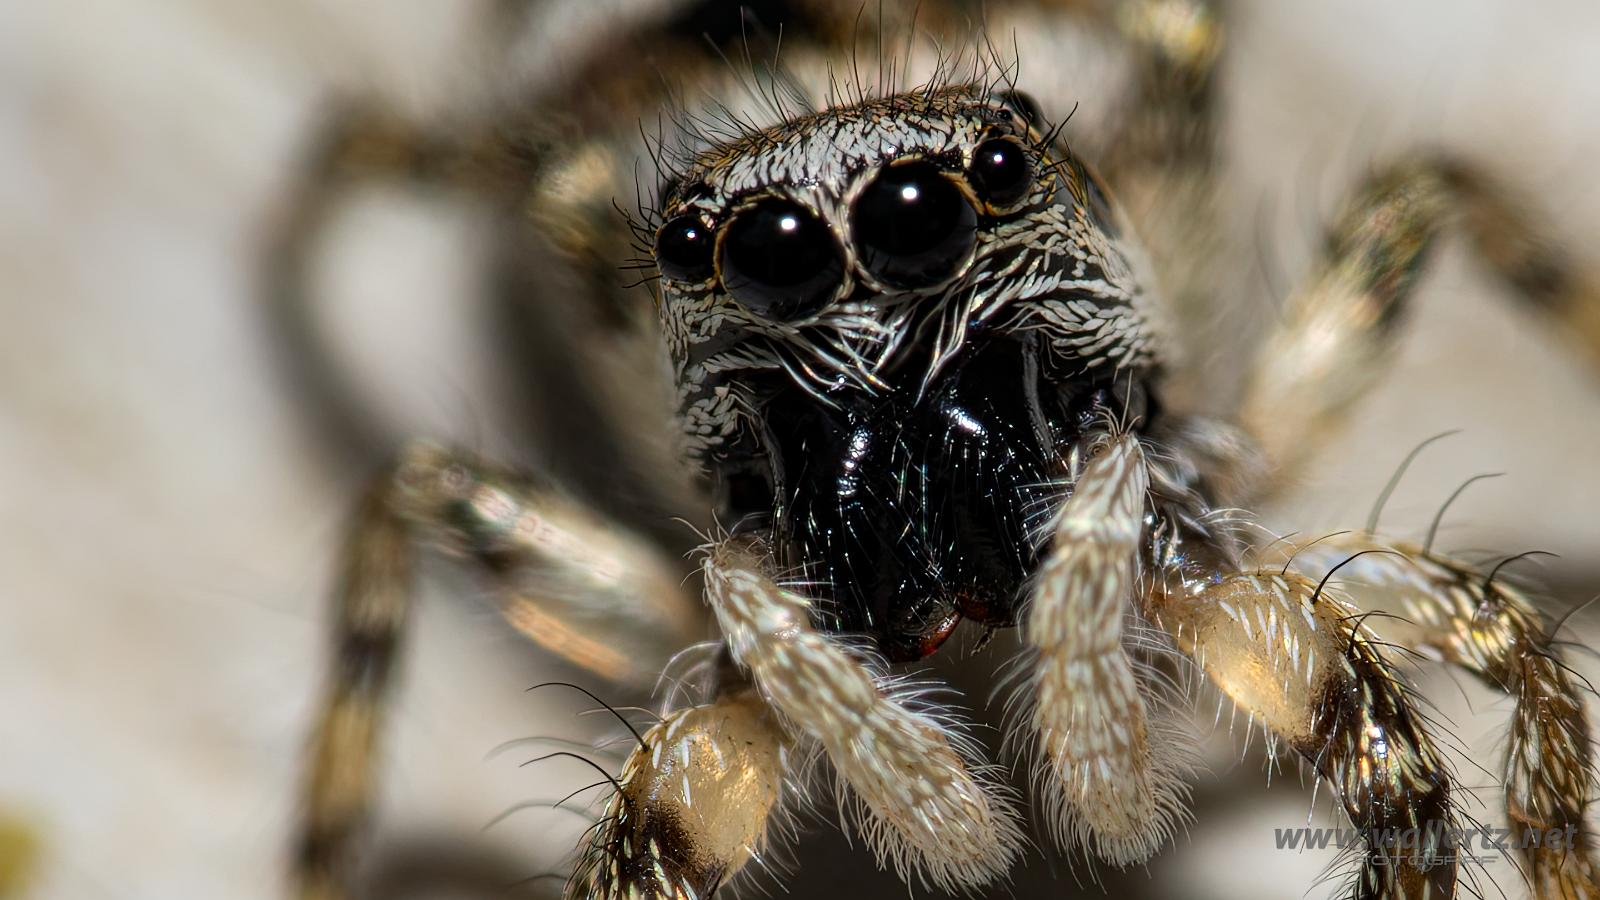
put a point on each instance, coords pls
(564, 577)
(1337, 333)
(692, 807)
(1300, 662)
(920, 804)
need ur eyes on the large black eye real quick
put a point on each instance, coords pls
(913, 226)
(780, 261)
(1001, 173)
(683, 250)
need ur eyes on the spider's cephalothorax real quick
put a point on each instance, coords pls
(892, 323)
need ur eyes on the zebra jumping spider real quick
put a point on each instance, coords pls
(924, 372)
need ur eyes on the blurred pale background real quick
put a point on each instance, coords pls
(169, 527)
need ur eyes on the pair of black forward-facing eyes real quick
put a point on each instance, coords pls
(912, 227)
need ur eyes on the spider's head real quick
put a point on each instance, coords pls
(847, 295)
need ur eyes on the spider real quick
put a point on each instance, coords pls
(924, 345)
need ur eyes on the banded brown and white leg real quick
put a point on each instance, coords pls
(921, 803)
(1447, 610)
(1112, 783)
(693, 805)
(1340, 328)
(602, 599)
(374, 599)
(567, 579)
(1299, 660)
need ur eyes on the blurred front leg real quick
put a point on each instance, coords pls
(600, 598)
(1339, 330)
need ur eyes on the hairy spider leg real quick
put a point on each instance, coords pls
(593, 594)
(1448, 610)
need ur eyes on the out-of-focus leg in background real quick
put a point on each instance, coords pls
(170, 521)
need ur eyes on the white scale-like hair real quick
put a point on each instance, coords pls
(920, 799)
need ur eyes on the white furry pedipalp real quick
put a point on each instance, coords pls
(1109, 778)
(919, 804)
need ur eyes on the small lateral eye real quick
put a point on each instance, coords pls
(1024, 105)
(913, 226)
(780, 261)
(1001, 173)
(684, 250)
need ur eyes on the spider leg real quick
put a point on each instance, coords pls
(1339, 329)
(360, 145)
(1448, 610)
(692, 804)
(602, 599)
(1527, 259)
(1165, 142)
(1297, 657)
(919, 802)
(373, 601)
(579, 361)
(1106, 779)
(1160, 159)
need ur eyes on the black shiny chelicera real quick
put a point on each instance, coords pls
(912, 509)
